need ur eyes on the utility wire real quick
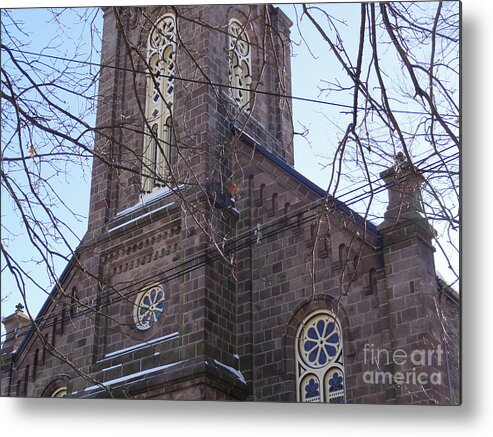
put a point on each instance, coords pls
(239, 243)
(216, 84)
(246, 243)
(348, 202)
(306, 208)
(360, 197)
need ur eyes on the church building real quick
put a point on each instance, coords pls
(211, 269)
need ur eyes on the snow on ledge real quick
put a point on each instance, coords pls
(232, 370)
(121, 225)
(107, 384)
(141, 345)
(146, 199)
(106, 369)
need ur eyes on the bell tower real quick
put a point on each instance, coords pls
(177, 88)
(185, 92)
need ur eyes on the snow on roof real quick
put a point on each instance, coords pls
(157, 194)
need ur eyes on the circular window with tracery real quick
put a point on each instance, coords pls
(320, 340)
(320, 361)
(148, 307)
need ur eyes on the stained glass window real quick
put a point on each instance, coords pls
(320, 359)
(240, 77)
(161, 54)
(148, 307)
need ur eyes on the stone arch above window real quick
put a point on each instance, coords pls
(240, 67)
(58, 388)
(320, 359)
(158, 137)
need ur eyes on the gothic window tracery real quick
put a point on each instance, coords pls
(161, 54)
(240, 68)
(320, 359)
(148, 307)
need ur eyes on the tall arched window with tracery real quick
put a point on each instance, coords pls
(240, 66)
(320, 359)
(158, 141)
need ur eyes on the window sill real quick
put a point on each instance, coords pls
(144, 210)
(147, 199)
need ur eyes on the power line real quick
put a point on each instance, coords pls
(357, 198)
(214, 84)
(417, 165)
(307, 208)
(349, 201)
(246, 242)
(238, 243)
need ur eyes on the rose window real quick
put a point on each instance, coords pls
(148, 307)
(321, 341)
(320, 361)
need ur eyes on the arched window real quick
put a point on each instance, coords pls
(320, 359)
(161, 53)
(26, 378)
(73, 302)
(35, 363)
(342, 255)
(54, 331)
(60, 392)
(373, 281)
(58, 388)
(240, 66)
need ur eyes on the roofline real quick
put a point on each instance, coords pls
(306, 182)
(48, 300)
(448, 290)
(276, 161)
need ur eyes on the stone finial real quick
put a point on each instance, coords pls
(403, 182)
(16, 326)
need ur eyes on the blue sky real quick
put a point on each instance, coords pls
(73, 181)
